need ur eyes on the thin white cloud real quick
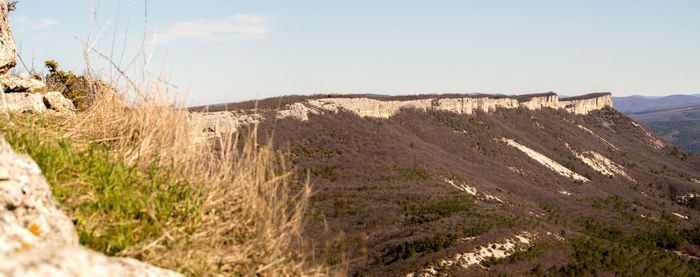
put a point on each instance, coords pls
(44, 23)
(237, 27)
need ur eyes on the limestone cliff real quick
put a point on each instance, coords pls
(385, 108)
(377, 108)
(587, 103)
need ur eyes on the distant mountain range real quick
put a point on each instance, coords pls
(676, 118)
(638, 103)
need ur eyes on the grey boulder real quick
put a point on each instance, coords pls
(38, 239)
(7, 41)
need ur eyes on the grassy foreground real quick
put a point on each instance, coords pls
(141, 181)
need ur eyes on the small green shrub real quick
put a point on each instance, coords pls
(424, 213)
(81, 90)
(407, 249)
(66, 83)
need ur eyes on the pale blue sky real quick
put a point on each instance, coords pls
(222, 51)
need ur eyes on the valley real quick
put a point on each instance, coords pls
(421, 186)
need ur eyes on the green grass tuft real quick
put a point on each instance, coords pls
(114, 205)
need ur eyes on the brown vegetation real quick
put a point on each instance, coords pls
(382, 184)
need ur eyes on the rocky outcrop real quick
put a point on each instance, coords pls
(21, 83)
(587, 103)
(368, 107)
(37, 239)
(52, 102)
(379, 108)
(7, 41)
(222, 122)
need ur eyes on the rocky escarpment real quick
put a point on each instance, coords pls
(377, 108)
(587, 103)
(37, 239)
(385, 108)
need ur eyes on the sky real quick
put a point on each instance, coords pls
(221, 51)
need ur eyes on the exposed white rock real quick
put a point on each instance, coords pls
(492, 198)
(20, 83)
(680, 215)
(37, 239)
(296, 110)
(556, 236)
(496, 250)
(652, 218)
(74, 261)
(596, 135)
(7, 47)
(375, 108)
(544, 160)
(653, 140)
(223, 122)
(584, 106)
(366, 107)
(516, 170)
(687, 197)
(52, 101)
(464, 187)
(565, 192)
(600, 163)
(29, 214)
(472, 191)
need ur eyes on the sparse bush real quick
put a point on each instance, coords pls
(425, 213)
(405, 250)
(82, 91)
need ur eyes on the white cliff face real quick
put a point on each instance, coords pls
(584, 106)
(367, 107)
(374, 108)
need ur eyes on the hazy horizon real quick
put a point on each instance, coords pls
(231, 51)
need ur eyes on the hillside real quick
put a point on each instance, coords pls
(484, 185)
(678, 124)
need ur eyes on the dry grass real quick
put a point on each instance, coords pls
(249, 218)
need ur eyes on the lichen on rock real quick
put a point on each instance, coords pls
(29, 214)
